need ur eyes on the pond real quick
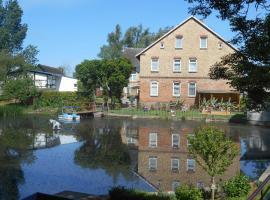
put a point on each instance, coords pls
(98, 154)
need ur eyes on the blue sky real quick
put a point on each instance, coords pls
(68, 31)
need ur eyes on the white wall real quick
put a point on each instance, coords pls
(40, 80)
(68, 84)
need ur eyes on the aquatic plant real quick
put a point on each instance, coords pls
(10, 110)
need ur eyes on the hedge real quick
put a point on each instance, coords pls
(57, 99)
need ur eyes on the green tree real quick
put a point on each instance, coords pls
(134, 37)
(12, 31)
(248, 69)
(115, 45)
(212, 151)
(111, 75)
(22, 89)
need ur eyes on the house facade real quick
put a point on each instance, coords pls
(46, 77)
(131, 92)
(177, 66)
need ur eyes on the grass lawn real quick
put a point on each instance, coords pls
(191, 114)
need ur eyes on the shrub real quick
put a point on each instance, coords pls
(57, 99)
(237, 186)
(185, 192)
(22, 89)
(121, 193)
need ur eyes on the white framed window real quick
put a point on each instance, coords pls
(175, 140)
(177, 65)
(175, 184)
(176, 89)
(154, 64)
(133, 77)
(152, 139)
(152, 163)
(192, 89)
(179, 42)
(162, 46)
(154, 89)
(193, 65)
(175, 164)
(203, 42)
(191, 164)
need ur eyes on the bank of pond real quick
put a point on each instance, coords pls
(96, 155)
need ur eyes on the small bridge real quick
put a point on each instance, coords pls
(83, 109)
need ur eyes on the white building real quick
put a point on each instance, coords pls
(53, 78)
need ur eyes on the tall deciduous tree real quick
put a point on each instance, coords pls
(247, 70)
(134, 37)
(212, 151)
(111, 75)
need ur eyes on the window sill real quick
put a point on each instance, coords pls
(180, 48)
(192, 71)
(177, 71)
(175, 170)
(152, 170)
(192, 96)
(153, 95)
(203, 48)
(175, 96)
(154, 71)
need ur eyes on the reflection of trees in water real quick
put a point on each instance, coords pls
(258, 167)
(103, 148)
(14, 150)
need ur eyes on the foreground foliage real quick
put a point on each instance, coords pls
(212, 151)
(237, 187)
(185, 192)
(121, 193)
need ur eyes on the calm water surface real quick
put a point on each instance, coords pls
(97, 154)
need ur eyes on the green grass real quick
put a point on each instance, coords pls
(191, 114)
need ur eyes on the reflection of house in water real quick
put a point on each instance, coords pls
(46, 140)
(257, 146)
(163, 159)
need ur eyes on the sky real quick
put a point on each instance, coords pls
(67, 32)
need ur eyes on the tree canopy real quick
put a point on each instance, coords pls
(134, 37)
(212, 150)
(248, 69)
(111, 75)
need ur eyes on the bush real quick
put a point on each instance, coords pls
(22, 89)
(185, 192)
(237, 186)
(121, 193)
(57, 99)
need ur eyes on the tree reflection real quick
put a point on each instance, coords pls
(14, 150)
(103, 148)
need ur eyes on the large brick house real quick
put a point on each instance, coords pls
(177, 65)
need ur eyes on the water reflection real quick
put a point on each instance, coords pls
(142, 154)
(14, 144)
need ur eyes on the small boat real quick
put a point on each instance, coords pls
(69, 117)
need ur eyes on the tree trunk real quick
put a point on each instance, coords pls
(213, 187)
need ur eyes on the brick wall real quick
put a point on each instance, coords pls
(191, 32)
(163, 177)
